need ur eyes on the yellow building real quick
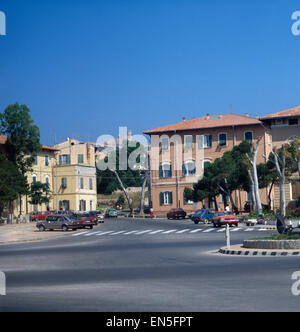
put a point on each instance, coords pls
(75, 176)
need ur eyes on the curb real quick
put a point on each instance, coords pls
(271, 228)
(258, 253)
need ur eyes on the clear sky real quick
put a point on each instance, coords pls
(86, 67)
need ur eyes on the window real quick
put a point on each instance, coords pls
(165, 144)
(206, 163)
(188, 143)
(81, 183)
(166, 198)
(34, 178)
(35, 159)
(64, 205)
(64, 183)
(189, 168)
(91, 184)
(46, 160)
(205, 141)
(64, 159)
(222, 139)
(82, 205)
(296, 190)
(293, 122)
(165, 171)
(91, 205)
(249, 136)
(80, 159)
(47, 180)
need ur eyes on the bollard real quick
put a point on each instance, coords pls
(228, 236)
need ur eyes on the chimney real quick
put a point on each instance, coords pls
(184, 119)
(257, 116)
(207, 116)
(247, 115)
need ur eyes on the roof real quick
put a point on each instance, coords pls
(208, 122)
(283, 114)
(44, 147)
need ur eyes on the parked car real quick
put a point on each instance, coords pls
(97, 214)
(40, 216)
(176, 214)
(111, 213)
(61, 222)
(146, 210)
(225, 218)
(85, 220)
(203, 215)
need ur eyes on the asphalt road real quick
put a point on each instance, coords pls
(143, 265)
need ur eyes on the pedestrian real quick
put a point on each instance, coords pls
(228, 208)
(151, 213)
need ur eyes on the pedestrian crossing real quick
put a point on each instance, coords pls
(137, 232)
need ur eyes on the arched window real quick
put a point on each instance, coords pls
(206, 163)
(165, 170)
(189, 168)
(34, 178)
(47, 179)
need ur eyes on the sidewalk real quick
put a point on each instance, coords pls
(26, 232)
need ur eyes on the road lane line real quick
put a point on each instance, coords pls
(249, 230)
(169, 232)
(132, 232)
(78, 234)
(263, 230)
(156, 232)
(236, 230)
(209, 230)
(196, 231)
(117, 233)
(104, 233)
(221, 230)
(144, 232)
(183, 231)
(93, 233)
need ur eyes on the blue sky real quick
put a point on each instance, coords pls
(86, 67)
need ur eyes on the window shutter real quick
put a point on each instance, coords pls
(162, 202)
(201, 142)
(171, 198)
(161, 174)
(184, 169)
(210, 141)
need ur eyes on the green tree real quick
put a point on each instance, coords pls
(39, 193)
(12, 183)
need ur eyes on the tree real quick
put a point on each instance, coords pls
(285, 160)
(39, 193)
(12, 183)
(23, 138)
(120, 201)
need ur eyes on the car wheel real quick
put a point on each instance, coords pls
(42, 228)
(196, 222)
(206, 221)
(65, 228)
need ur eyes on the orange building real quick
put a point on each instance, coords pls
(196, 143)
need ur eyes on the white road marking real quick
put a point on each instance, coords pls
(104, 233)
(196, 231)
(93, 233)
(156, 232)
(144, 232)
(209, 230)
(249, 230)
(128, 233)
(169, 232)
(78, 234)
(236, 230)
(263, 230)
(117, 233)
(221, 230)
(183, 231)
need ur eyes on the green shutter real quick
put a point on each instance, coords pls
(162, 199)
(171, 198)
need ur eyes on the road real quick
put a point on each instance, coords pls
(140, 265)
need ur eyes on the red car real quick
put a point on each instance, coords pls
(85, 220)
(176, 214)
(225, 218)
(41, 216)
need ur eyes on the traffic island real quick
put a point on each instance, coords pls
(276, 245)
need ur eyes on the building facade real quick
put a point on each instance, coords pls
(199, 142)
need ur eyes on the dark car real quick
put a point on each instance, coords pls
(203, 215)
(225, 218)
(61, 222)
(176, 214)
